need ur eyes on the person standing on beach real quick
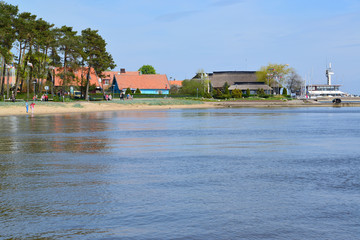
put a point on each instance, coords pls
(32, 106)
(27, 106)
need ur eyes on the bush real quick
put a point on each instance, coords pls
(137, 92)
(236, 93)
(260, 92)
(60, 99)
(226, 89)
(207, 95)
(57, 99)
(247, 93)
(217, 94)
(174, 89)
(128, 91)
(226, 96)
(284, 93)
(193, 88)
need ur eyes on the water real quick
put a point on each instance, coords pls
(182, 174)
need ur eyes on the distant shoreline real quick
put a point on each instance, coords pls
(291, 103)
(49, 108)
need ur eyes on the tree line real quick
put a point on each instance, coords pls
(35, 47)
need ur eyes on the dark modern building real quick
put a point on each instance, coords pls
(241, 80)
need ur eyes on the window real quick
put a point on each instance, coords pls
(106, 81)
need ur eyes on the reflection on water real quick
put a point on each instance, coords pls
(187, 174)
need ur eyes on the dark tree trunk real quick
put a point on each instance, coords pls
(3, 81)
(87, 84)
(18, 72)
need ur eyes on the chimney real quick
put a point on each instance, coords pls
(122, 70)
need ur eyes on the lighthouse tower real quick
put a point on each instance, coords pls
(329, 72)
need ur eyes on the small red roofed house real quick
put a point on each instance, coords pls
(76, 78)
(177, 83)
(146, 83)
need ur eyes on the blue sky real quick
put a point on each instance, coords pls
(179, 37)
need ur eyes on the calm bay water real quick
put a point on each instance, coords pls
(182, 174)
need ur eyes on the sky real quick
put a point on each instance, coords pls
(180, 37)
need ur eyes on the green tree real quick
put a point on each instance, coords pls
(54, 58)
(284, 93)
(128, 91)
(236, 93)
(42, 42)
(273, 73)
(69, 44)
(226, 88)
(147, 69)
(95, 54)
(8, 15)
(24, 30)
(217, 94)
(193, 87)
(247, 92)
(260, 92)
(137, 92)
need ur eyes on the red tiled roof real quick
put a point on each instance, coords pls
(145, 81)
(177, 83)
(77, 81)
(110, 74)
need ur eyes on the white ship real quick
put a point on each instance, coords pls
(324, 90)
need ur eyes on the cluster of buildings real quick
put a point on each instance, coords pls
(118, 81)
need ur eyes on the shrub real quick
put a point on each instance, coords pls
(236, 93)
(57, 99)
(284, 93)
(207, 95)
(226, 88)
(260, 92)
(226, 96)
(192, 87)
(128, 91)
(137, 92)
(217, 94)
(247, 93)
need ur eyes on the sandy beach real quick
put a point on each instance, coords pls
(46, 108)
(41, 108)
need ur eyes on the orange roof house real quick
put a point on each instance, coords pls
(108, 77)
(147, 83)
(176, 83)
(78, 78)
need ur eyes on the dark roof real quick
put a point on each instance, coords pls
(218, 79)
(234, 72)
(250, 87)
